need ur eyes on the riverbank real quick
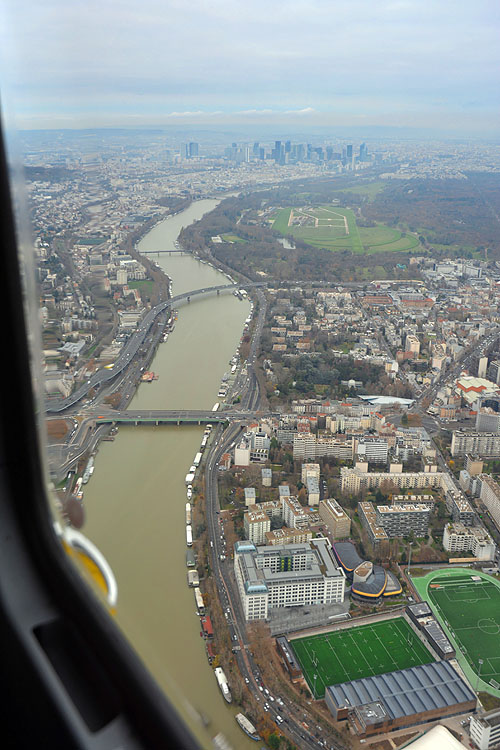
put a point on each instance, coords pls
(136, 497)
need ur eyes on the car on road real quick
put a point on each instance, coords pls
(247, 680)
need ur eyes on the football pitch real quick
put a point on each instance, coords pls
(352, 653)
(469, 606)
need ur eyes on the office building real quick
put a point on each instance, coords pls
(291, 575)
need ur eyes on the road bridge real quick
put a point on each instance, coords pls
(103, 377)
(179, 416)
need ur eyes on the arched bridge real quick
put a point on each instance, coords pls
(103, 377)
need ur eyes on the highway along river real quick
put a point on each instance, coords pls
(135, 500)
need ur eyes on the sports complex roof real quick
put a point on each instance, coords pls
(378, 583)
(406, 692)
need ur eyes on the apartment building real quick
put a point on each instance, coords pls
(308, 446)
(291, 575)
(485, 729)
(309, 470)
(480, 443)
(402, 520)
(475, 539)
(335, 518)
(462, 511)
(287, 536)
(256, 524)
(368, 518)
(490, 496)
(353, 480)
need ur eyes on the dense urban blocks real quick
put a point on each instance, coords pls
(467, 604)
(351, 653)
(335, 228)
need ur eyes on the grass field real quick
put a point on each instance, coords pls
(470, 612)
(233, 238)
(363, 651)
(335, 228)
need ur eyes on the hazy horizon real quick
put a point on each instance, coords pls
(292, 65)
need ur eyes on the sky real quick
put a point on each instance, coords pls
(122, 63)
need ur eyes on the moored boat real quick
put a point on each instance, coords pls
(223, 684)
(247, 726)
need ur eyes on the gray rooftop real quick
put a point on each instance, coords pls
(421, 609)
(407, 691)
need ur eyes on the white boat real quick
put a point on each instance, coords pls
(223, 684)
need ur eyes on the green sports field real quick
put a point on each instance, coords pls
(335, 228)
(467, 604)
(356, 652)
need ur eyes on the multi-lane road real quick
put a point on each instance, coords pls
(139, 338)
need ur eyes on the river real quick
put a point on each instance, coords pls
(135, 501)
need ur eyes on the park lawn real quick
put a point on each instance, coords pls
(352, 653)
(233, 238)
(142, 285)
(372, 189)
(379, 235)
(281, 221)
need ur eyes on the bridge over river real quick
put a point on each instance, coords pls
(103, 377)
(168, 417)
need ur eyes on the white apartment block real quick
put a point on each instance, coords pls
(479, 443)
(308, 446)
(460, 538)
(256, 524)
(292, 575)
(490, 496)
(353, 480)
(372, 450)
(485, 729)
(293, 512)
